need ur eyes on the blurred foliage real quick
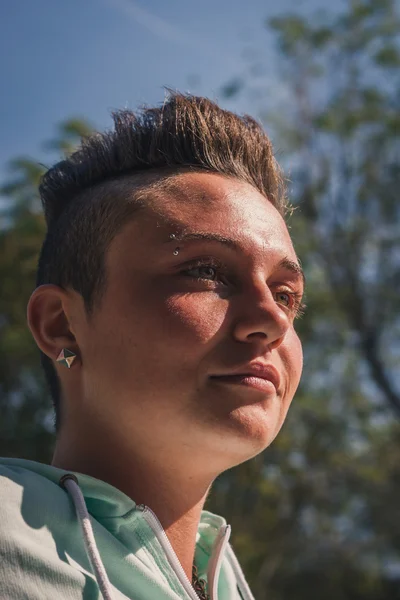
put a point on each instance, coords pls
(26, 426)
(317, 514)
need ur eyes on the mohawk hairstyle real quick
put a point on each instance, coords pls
(90, 195)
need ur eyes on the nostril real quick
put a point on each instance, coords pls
(258, 334)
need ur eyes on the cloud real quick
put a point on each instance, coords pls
(160, 27)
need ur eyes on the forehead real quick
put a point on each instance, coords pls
(213, 203)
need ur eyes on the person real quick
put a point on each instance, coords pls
(164, 311)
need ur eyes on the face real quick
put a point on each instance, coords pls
(181, 311)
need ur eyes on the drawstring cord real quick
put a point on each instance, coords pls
(242, 584)
(70, 483)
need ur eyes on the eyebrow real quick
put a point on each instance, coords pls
(285, 263)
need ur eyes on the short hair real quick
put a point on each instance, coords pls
(91, 194)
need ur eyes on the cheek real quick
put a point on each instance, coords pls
(196, 318)
(153, 340)
(157, 326)
(156, 308)
(291, 352)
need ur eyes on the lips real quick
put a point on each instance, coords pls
(256, 370)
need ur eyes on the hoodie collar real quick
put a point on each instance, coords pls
(104, 501)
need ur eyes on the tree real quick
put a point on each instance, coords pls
(317, 513)
(26, 424)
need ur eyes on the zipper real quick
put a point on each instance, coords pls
(215, 560)
(215, 563)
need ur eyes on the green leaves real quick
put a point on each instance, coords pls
(388, 56)
(232, 88)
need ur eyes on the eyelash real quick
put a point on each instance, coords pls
(298, 306)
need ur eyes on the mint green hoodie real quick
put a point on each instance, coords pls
(84, 539)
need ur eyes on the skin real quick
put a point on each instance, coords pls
(142, 377)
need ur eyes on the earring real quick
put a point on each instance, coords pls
(66, 357)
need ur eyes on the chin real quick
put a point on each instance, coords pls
(248, 430)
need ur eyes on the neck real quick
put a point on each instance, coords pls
(159, 481)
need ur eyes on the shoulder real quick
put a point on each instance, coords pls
(29, 494)
(31, 505)
(36, 519)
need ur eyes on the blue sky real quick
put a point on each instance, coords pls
(86, 57)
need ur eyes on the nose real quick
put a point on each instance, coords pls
(260, 318)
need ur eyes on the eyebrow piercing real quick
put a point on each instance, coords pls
(172, 236)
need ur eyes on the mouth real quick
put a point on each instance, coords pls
(247, 380)
(256, 375)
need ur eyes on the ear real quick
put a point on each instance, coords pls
(48, 317)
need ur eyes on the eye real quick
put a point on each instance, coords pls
(295, 304)
(287, 294)
(205, 270)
